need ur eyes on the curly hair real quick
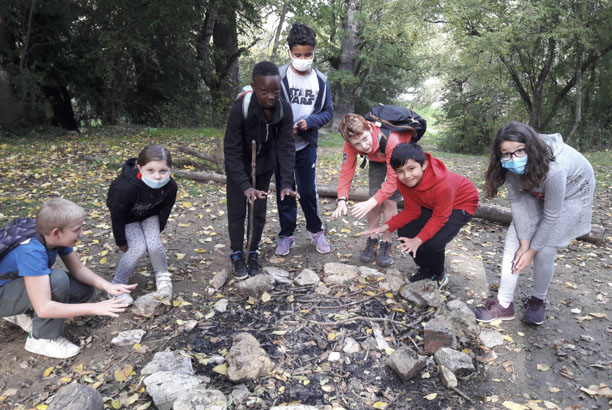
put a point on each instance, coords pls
(301, 35)
(264, 69)
(352, 126)
(538, 153)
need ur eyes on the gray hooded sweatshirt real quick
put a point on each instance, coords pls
(561, 208)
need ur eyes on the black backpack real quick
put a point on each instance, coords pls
(14, 233)
(395, 118)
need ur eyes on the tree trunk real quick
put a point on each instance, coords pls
(578, 114)
(279, 29)
(345, 95)
(63, 115)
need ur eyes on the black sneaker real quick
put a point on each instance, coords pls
(369, 253)
(239, 269)
(442, 280)
(253, 266)
(421, 274)
(535, 311)
(385, 257)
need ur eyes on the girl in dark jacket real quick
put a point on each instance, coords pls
(140, 201)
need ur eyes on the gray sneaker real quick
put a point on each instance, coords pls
(285, 243)
(320, 242)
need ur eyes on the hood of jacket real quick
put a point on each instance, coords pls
(435, 172)
(130, 172)
(554, 141)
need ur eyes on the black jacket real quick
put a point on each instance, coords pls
(131, 200)
(274, 140)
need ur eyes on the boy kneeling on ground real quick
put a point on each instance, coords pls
(437, 203)
(28, 282)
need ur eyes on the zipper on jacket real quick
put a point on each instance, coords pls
(265, 139)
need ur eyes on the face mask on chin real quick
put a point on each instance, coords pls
(300, 64)
(516, 166)
(153, 184)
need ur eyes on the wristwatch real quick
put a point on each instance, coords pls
(341, 199)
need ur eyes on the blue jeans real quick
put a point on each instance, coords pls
(305, 177)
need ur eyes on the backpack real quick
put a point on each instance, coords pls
(13, 234)
(395, 118)
(246, 93)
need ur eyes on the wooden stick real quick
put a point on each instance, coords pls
(252, 204)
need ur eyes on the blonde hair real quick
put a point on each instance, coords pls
(58, 213)
(352, 125)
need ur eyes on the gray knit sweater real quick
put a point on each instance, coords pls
(564, 211)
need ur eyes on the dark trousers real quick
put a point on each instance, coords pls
(305, 174)
(430, 255)
(14, 300)
(237, 213)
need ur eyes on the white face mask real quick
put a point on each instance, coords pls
(301, 64)
(154, 184)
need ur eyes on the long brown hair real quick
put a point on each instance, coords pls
(538, 153)
(154, 152)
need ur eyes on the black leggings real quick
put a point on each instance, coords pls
(430, 255)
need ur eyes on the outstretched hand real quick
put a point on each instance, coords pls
(117, 289)
(363, 208)
(341, 209)
(252, 194)
(379, 229)
(409, 245)
(288, 192)
(110, 307)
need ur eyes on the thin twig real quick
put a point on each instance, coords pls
(371, 319)
(346, 304)
(460, 393)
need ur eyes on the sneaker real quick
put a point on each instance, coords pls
(493, 310)
(535, 311)
(59, 348)
(421, 274)
(385, 258)
(320, 242)
(23, 321)
(126, 298)
(285, 243)
(369, 253)
(163, 283)
(239, 269)
(253, 267)
(442, 280)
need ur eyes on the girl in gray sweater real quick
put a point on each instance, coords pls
(550, 187)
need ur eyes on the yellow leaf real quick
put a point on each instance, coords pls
(66, 379)
(265, 297)
(598, 315)
(508, 338)
(513, 406)
(209, 314)
(389, 351)
(133, 398)
(221, 369)
(137, 346)
(48, 372)
(466, 351)
(399, 310)
(279, 332)
(116, 404)
(104, 252)
(41, 407)
(78, 369)
(179, 322)
(496, 322)
(187, 204)
(200, 250)
(103, 261)
(369, 293)
(542, 367)
(96, 385)
(389, 295)
(120, 376)
(180, 256)
(431, 396)
(144, 406)
(331, 336)
(380, 405)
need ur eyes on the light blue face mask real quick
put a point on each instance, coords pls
(516, 166)
(151, 183)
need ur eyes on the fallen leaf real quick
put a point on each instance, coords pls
(543, 367)
(599, 315)
(588, 391)
(221, 369)
(180, 256)
(265, 297)
(431, 396)
(380, 405)
(48, 372)
(508, 366)
(513, 406)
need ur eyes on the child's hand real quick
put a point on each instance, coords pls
(123, 248)
(522, 260)
(301, 125)
(288, 192)
(362, 208)
(111, 307)
(409, 245)
(341, 209)
(117, 289)
(253, 194)
(379, 229)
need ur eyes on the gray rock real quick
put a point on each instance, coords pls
(165, 387)
(168, 361)
(491, 338)
(256, 285)
(462, 319)
(406, 362)
(221, 305)
(128, 337)
(367, 271)
(457, 362)
(395, 280)
(339, 273)
(447, 377)
(240, 393)
(301, 407)
(423, 293)
(246, 359)
(76, 397)
(437, 334)
(219, 280)
(279, 275)
(307, 278)
(200, 399)
(149, 305)
(350, 346)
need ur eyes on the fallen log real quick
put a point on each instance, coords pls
(218, 162)
(488, 212)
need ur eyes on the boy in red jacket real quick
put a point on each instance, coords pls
(363, 138)
(437, 203)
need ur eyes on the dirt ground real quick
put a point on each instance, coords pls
(557, 364)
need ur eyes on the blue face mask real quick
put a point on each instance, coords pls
(516, 166)
(151, 183)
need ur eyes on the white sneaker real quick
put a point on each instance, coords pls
(163, 283)
(59, 348)
(23, 321)
(126, 298)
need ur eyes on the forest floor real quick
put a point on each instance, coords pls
(566, 363)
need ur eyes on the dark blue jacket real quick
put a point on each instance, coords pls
(323, 108)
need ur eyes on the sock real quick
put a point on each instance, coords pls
(503, 304)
